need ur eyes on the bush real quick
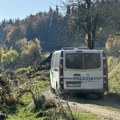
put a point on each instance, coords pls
(10, 59)
(113, 45)
(31, 53)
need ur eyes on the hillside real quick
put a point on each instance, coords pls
(51, 28)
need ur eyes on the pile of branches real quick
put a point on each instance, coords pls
(6, 96)
(37, 71)
(56, 109)
(20, 82)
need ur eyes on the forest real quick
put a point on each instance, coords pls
(84, 24)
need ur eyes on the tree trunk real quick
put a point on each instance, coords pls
(89, 24)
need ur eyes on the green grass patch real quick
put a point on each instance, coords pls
(22, 114)
(82, 115)
(114, 80)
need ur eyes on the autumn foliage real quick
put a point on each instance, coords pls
(27, 53)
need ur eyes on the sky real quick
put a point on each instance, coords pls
(22, 8)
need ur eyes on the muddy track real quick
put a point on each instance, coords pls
(107, 108)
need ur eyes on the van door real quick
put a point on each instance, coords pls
(83, 70)
(73, 70)
(93, 66)
(54, 73)
(51, 71)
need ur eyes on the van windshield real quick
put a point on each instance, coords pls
(83, 60)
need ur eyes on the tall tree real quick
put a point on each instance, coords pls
(31, 53)
(85, 16)
(57, 9)
(29, 31)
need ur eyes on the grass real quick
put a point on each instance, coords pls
(114, 80)
(82, 115)
(112, 62)
(22, 114)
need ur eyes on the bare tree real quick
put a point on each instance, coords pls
(84, 13)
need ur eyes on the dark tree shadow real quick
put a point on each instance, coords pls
(109, 100)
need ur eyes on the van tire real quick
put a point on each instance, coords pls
(100, 95)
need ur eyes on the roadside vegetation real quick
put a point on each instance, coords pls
(113, 51)
(114, 77)
(25, 99)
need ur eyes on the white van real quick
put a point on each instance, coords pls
(79, 70)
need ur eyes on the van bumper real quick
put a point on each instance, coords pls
(82, 91)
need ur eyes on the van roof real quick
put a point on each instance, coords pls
(82, 49)
(77, 49)
(74, 48)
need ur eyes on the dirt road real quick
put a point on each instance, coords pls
(107, 108)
